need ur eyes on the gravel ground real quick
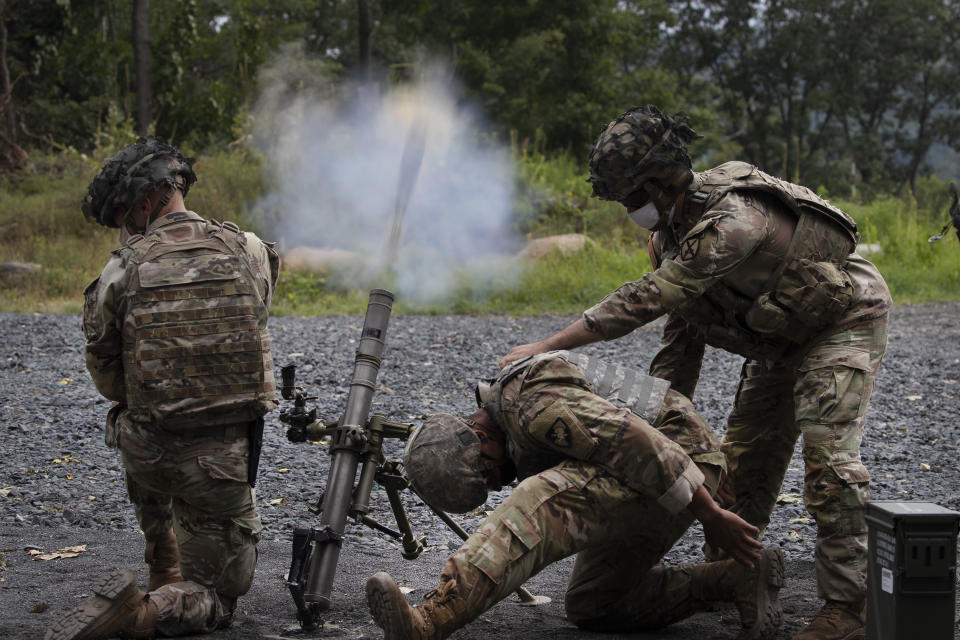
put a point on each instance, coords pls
(60, 486)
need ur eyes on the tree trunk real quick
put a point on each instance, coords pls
(365, 28)
(6, 99)
(141, 59)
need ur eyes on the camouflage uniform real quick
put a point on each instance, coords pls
(809, 370)
(186, 466)
(597, 481)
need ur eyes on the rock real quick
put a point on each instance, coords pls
(19, 267)
(567, 244)
(313, 259)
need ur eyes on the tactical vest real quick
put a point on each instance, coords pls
(809, 288)
(640, 393)
(196, 348)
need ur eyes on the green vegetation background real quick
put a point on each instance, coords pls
(40, 222)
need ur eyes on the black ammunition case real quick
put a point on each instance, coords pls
(911, 575)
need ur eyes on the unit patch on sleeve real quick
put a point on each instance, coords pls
(559, 434)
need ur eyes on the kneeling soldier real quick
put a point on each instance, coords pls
(614, 466)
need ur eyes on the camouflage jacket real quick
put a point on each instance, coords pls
(550, 414)
(106, 302)
(713, 267)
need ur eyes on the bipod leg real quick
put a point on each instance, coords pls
(412, 547)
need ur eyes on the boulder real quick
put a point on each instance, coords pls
(19, 267)
(567, 244)
(313, 259)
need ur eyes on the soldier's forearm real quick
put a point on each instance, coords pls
(572, 336)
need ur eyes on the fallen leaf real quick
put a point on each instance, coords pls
(406, 590)
(924, 466)
(282, 470)
(40, 607)
(789, 498)
(66, 381)
(66, 552)
(914, 397)
(276, 501)
(800, 520)
(5, 491)
(793, 535)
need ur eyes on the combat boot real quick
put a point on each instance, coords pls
(118, 610)
(837, 621)
(442, 612)
(755, 592)
(162, 554)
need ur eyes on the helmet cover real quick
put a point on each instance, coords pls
(136, 171)
(640, 145)
(442, 463)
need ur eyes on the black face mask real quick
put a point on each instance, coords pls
(636, 199)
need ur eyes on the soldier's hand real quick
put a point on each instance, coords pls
(726, 530)
(522, 351)
(726, 493)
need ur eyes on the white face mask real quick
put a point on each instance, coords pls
(646, 216)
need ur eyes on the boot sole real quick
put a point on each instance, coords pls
(769, 611)
(388, 607)
(83, 621)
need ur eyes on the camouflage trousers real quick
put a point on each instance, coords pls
(197, 486)
(620, 537)
(822, 396)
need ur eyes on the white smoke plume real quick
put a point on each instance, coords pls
(335, 150)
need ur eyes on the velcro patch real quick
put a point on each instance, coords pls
(559, 434)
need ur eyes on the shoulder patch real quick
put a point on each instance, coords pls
(690, 247)
(559, 434)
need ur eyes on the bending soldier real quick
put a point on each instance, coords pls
(597, 480)
(768, 270)
(177, 338)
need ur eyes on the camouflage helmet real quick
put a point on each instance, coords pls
(442, 463)
(641, 146)
(136, 171)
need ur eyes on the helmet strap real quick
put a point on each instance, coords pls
(161, 203)
(128, 223)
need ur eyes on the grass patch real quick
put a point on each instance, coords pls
(915, 270)
(40, 222)
(553, 284)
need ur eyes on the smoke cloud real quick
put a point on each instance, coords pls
(343, 158)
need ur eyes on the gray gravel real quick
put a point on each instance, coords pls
(59, 483)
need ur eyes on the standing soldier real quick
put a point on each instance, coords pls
(614, 467)
(765, 269)
(176, 330)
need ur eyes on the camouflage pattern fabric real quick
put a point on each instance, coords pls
(821, 396)
(714, 267)
(136, 171)
(640, 145)
(195, 482)
(550, 414)
(445, 447)
(199, 485)
(196, 346)
(105, 309)
(610, 488)
(620, 537)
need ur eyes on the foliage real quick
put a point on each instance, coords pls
(40, 222)
(915, 270)
(806, 89)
